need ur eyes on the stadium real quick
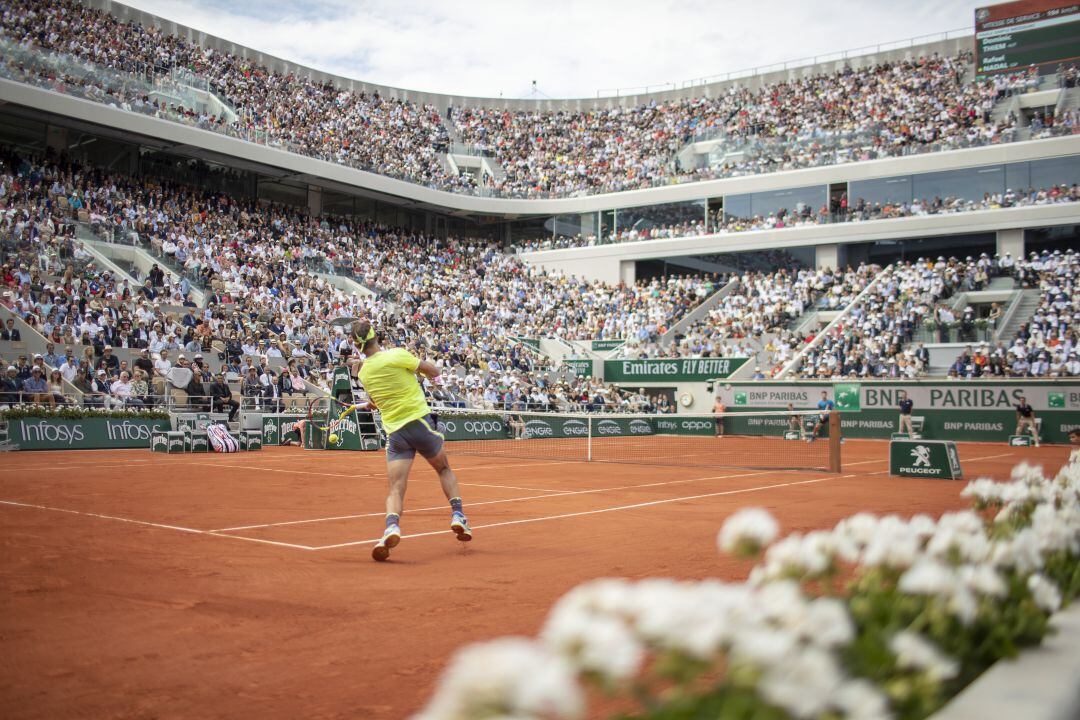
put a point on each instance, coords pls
(759, 391)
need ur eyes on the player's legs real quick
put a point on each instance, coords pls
(399, 460)
(440, 463)
(397, 474)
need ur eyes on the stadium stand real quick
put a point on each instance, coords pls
(887, 110)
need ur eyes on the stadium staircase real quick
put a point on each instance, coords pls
(1019, 314)
(698, 313)
(109, 246)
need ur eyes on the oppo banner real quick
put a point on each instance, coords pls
(84, 434)
(502, 426)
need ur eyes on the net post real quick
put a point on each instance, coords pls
(588, 441)
(834, 442)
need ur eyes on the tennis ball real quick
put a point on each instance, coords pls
(333, 438)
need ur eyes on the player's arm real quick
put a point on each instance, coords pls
(430, 370)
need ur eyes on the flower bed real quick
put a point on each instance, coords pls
(880, 617)
(78, 412)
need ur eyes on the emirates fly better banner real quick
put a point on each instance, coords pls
(671, 369)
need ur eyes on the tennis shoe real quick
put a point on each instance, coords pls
(460, 525)
(389, 540)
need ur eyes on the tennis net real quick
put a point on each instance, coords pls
(753, 440)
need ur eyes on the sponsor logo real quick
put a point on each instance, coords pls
(198, 443)
(127, 430)
(485, 427)
(1018, 440)
(921, 455)
(447, 427)
(575, 428)
(667, 425)
(847, 397)
(159, 440)
(608, 427)
(270, 429)
(177, 443)
(57, 434)
(538, 428)
(697, 425)
(740, 397)
(640, 427)
(1056, 400)
(922, 471)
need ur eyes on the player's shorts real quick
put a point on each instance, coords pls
(416, 436)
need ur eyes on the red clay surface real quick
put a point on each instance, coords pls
(123, 592)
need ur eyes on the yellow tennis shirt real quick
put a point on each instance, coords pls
(389, 377)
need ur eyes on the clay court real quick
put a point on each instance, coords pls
(206, 586)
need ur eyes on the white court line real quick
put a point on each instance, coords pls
(507, 500)
(163, 526)
(595, 512)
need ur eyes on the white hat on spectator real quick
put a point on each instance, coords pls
(100, 372)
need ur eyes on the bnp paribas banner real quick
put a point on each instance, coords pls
(957, 410)
(84, 434)
(605, 345)
(670, 370)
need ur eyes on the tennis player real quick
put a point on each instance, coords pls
(389, 378)
(825, 406)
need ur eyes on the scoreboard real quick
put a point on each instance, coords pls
(1016, 35)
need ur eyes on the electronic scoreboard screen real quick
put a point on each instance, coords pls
(1016, 35)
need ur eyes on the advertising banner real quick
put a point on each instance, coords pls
(605, 345)
(975, 410)
(581, 368)
(83, 434)
(670, 370)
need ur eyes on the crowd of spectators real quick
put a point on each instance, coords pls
(803, 215)
(268, 304)
(1047, 344)
(883, 110)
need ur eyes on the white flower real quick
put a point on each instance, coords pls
(826, 623)
(593, 642)
(804, 683)
(748, 530)
(861, 528)
(1021, 551)
(927, 577)
(982, 579)
(795, 555)
(914, 652)
(860, 699)
(762, 646)
(1045, 593)
(511, 677)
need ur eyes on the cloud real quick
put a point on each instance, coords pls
(571, 48)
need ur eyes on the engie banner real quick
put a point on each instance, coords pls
(951, 410)
(83, 434)
(670, 370)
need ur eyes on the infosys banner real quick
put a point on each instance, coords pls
(958, 410)
(84, 434)
(670, 370)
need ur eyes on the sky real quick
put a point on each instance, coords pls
(570, 48)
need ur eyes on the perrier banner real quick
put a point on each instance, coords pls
(671, 369)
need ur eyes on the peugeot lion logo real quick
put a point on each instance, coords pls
(921, 455)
